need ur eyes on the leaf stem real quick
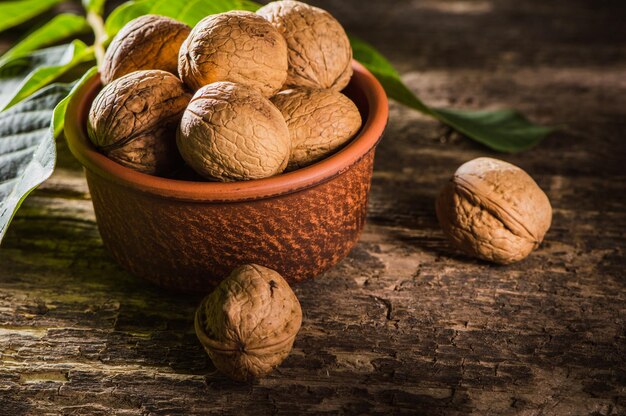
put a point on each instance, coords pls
(97, 25)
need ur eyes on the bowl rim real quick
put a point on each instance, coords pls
(285, 183)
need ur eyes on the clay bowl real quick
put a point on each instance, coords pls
(187, 236)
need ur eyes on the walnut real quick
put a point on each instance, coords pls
(319, 122)
(249, 323)
(494, 210)
(320, 55)
(133, 120)
(147, 42)
(230, 132)
(236, 46)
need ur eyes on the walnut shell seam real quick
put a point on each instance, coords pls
(510, 221)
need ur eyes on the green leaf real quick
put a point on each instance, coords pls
(27, 148)
(28, 74)
(94, 6)
(59, 28)
(189, 12)
(58, 118)
(501, 130)
(15, 12)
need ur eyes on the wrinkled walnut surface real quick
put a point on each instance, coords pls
(230, 132)
(133, 120)
(147, 42)
(494, 210)
(236, 46)
(319, 122)
(248, 324)
(320, 54)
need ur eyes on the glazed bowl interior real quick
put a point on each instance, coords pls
(364, 90)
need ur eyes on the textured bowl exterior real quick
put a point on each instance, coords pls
(191, 246)
(189, 236)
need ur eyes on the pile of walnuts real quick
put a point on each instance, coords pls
(240, 96)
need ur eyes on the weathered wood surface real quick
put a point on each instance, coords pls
(405, 324)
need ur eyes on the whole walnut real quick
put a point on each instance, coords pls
(133, 120)
(230, 132)
(494, 210)
(320, 55)
(319, 122)
(236, 46)
(249, 323)
(147, 42)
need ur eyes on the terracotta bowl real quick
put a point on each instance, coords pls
(187, 235)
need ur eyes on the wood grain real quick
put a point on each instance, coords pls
(404, 325)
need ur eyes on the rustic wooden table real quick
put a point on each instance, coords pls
(405, 324)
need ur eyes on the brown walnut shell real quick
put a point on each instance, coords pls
(249, 323)
(319, 122)
(230, 132)
(494, 210)
(147, 42)
(236, 46)
(133, 120)
(319, 54)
